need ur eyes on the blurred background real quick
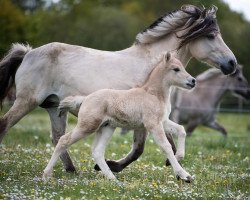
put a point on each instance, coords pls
(112, 25)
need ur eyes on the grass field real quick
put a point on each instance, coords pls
(221, 166)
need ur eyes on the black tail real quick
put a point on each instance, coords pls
(8, 67)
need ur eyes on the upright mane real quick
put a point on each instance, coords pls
(210, 73)
(197, 21)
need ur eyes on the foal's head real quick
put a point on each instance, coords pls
(175, 73)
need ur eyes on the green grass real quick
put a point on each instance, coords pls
(221, 167)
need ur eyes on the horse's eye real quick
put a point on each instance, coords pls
(176, 69)
(239, 79)
(210, 36)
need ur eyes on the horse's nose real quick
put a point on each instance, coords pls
(232, 63)
(229, 67)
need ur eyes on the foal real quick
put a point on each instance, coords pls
(138, 108)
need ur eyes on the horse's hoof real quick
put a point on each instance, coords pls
(188, 179)
(71, 169)
(113, 165)
(97, 168)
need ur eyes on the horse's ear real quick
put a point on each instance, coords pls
(189, 8)
(212, 11)
(167, 56)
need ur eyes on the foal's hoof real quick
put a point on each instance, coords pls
(188, 179)
(113, 165)
(167, 162)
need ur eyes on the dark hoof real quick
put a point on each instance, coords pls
(113, 165)
(189, 179)
(167, 162)
(71, 169)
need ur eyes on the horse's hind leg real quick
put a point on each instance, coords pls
(19, 109)
(58, 125)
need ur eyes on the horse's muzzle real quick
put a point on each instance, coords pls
(229, 67)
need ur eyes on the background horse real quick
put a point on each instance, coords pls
(201, 104)
(47, 74)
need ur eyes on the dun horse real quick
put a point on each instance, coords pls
(142, 108)
(47, 74)
(200, 105)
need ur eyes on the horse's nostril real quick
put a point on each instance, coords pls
(193, 81)
(232, 63)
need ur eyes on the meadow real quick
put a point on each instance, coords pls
(221, 166)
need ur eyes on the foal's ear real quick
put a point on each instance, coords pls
(167, 56)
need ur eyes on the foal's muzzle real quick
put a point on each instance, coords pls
(191, 82)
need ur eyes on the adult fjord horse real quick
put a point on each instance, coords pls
(47, 74)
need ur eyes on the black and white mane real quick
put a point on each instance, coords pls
(198, 22)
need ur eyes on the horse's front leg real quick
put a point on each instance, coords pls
(179, 131)
(137, 149)
(58, 125)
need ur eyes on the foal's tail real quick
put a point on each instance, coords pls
(71, 103)
(8, 67)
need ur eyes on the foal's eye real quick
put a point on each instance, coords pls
(211, 36)
(176, 69)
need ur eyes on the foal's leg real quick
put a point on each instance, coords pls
(171, 127)
(160, 139)
(98, 150)
(171, 141)
(137, 149)
(58, 125)
(20, 108)
(64, 142)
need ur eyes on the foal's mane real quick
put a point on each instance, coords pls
(209, 74)
(198, 21)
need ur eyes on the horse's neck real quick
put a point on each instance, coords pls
(167, 44)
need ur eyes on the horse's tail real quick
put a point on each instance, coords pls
(71, 103)
(8, 67)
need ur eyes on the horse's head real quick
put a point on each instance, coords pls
(203, 38)
(239, 85)
(175, 73)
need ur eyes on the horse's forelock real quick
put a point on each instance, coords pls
(206, 24)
